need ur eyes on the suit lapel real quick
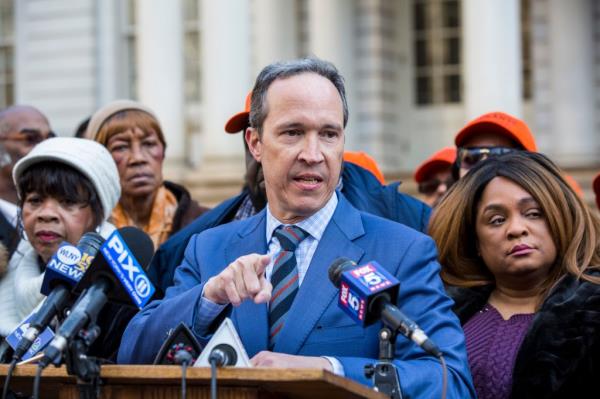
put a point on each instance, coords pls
(249, 318)
(317, 292)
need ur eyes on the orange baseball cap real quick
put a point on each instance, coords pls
(365, 161)
(443, 158)
(596, 185)
(501, 123)
(241, 120)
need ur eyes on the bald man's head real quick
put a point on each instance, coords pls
(21, 128)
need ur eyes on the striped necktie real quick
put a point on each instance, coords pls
(284, 278)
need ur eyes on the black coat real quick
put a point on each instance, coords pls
(113, 318)
(187, 209)
(560, 354)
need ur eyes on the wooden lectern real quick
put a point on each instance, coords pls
(164, 382)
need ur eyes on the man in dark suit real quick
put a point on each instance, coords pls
(269, 272)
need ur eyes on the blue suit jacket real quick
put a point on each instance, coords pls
(315, 325)
(360, 187)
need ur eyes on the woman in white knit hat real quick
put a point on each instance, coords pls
(66, 187)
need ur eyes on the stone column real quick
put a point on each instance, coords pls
(159, 48)
(571, 61)
(226, 76)
(275, 28)
(331, 37)
(492, 57)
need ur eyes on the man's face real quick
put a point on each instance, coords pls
(301, 145)
(22, 131)
(484, 140)
(434, 188)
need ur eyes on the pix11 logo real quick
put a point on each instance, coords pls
(127, 269)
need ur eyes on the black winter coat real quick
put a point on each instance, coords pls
(560, 354)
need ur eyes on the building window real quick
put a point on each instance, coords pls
(526, 48)
(437, 51)
(7, 78)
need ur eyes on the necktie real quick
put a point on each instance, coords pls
(284, 278)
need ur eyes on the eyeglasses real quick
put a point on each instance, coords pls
(469, 157)
(29, 137)
(430, 186)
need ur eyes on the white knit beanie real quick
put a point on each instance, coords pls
(88, 157)
(106, 112)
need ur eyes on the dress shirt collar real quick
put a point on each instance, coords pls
(314, 225)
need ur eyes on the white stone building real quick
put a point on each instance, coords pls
(416, 70)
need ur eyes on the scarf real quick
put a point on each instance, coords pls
(160, 223)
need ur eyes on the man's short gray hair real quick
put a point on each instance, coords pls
(286, 69)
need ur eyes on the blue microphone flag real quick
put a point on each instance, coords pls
(127, 269)
(41, 341)
(65, 265)
(359, 285)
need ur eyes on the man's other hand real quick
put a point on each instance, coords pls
(282, 360)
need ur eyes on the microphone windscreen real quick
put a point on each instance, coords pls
(122, 260)
(139, 243)
(336, 269)
(68, 264)
(90, 242)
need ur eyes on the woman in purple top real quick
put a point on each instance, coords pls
(521, 258)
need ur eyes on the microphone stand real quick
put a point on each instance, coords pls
(383, 373)
(86, 369)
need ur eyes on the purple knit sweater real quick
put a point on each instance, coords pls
(492, 346)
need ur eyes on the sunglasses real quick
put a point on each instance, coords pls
(430, 186)
(469, 157)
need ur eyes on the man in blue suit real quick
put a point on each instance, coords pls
(358, 185)
(298, 116)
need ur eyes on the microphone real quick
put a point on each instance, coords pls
(223, 355)
(225, 347)
(63, 271)
(117, 276)
(180, 347)
(126, 256)
(368, 293)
